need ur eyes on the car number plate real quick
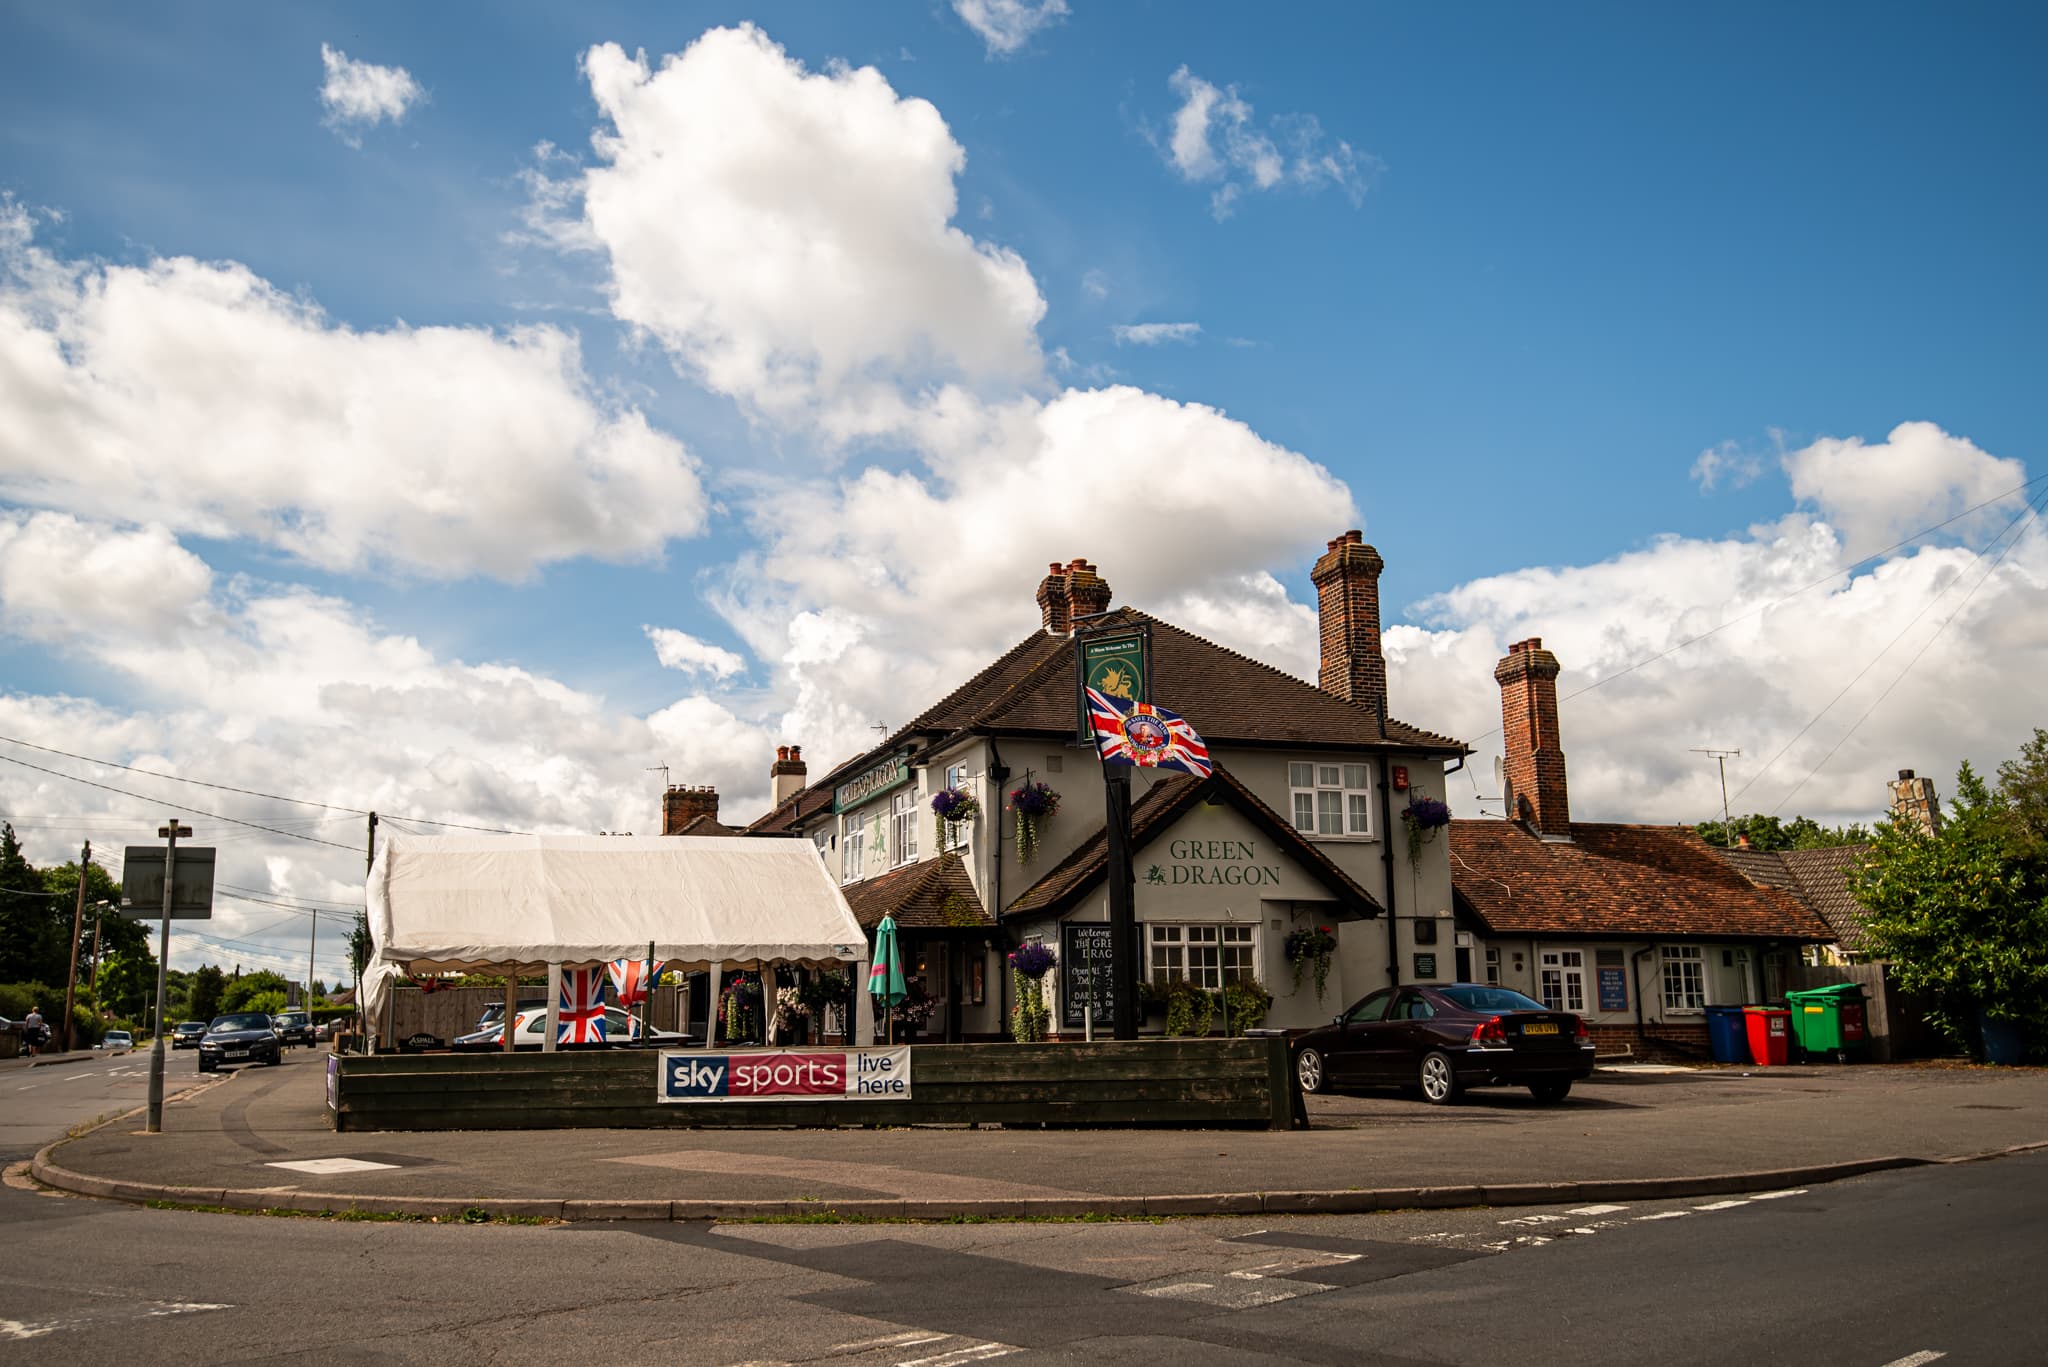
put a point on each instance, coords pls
(1540, 1028)
(238, 1053)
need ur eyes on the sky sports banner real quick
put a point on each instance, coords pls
(787, 1075)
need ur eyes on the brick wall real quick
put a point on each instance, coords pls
(1624, 1039)
(1347, 580)
(1534, 762)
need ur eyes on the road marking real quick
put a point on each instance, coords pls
(20, 1329)
(903, 1340)
(1596, 1210)
(1919, 1359)
(973, 1352)
(1666, 1215)
(1723, 1205)
(1535, 1220)
(1774, 1195)
(325, 1166)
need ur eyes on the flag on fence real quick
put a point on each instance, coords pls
(632, 977)
(1139, 733)
(581, 1013)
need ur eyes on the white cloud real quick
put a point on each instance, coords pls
(362, 94)
(1006, 25)
(1727, 462)
(57, 573)
(1095, 284)
(1774, 660)
(788, 235)
(1217, 139)
(198, 395)
(1917, 476)
(1152, 334)
(681, 651)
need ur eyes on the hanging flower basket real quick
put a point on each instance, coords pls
(739, 1010)
(1423, 817)
(1034, 803)
(1311, 949)
(1030, 1018)
(952, 808)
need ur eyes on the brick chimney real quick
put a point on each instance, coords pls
(1914, 803)
(1068, 592)
(680, 806)
(1535, 789)
(1347, 580)
(786, 775)
(1053, 604)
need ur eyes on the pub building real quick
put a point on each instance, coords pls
(1299, 827)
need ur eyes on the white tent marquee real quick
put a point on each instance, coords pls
(529, 904)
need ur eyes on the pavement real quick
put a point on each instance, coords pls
(261, 1138)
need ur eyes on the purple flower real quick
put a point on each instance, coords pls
(1427, 813)
(1035, 799)
(1033, 960)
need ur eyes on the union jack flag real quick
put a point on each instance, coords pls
(1139, 733)
(581, 1013)
(632, 977)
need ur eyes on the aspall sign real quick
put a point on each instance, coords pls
(787, 1075)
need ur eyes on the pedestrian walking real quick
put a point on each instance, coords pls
(33, 1032)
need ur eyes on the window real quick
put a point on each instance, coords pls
(1493, 968)
(1562, 982)
(822, 838)
(1372, 1009)
(1413, 1008)
(852, 842)
(1685, 978)
(950, 835)
(903, 823)
(1331, 799)
(1209, 956)
(957, 778)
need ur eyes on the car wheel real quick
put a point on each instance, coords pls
(1549, 1093)
(206, 1067)
(275, 1058)
(1439, 1079)
(1308, 1070)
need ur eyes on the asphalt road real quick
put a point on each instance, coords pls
(1883, 1271)
(41, 1104)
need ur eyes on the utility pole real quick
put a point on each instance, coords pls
(92, 982)
(312, 940)
(1721, 758)
(170, 831)
(77, 925)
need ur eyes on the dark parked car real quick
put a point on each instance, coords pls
(1445, 1039)
(186, 1034)
(244, 1037)
(294, 1027)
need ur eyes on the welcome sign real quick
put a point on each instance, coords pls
(787, 1075)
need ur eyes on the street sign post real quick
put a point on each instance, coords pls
(142, 884)
(170, 879)
(1118, 662)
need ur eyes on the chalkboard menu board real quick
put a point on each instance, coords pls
(1086, 977)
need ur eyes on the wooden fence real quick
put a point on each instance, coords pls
(1895, 1018)
(1183, 1083)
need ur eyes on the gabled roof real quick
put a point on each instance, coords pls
(1616, 880)
(793, 810)
(928, 895)
(1819, 878)
(1157, 809)
(703, 824)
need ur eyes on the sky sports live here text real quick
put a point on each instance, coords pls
(786, 1075)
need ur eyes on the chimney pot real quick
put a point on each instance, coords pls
(1347, 580)
(1905, 773)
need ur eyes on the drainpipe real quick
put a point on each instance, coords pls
(1387, 862)
(998, 775)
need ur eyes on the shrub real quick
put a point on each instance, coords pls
(1189, 1010)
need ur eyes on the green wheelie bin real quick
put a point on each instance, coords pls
(1830, 1023)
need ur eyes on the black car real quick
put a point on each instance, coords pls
(294, 1027)
(1445, 1039)
(244, 1037)
(186, 1034)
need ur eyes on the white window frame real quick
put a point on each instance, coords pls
(1210, 954)
(1690, 997)
(1492, 966)
(1330, 799)
(852, 846)
(904, 811)
(956, 836)
(1564, 969)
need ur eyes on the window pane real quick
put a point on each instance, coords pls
(1329, 776)
(1304, 811)
(1329, 812)
(1360, 814)
(1202, 935)
(1301, 776)
(1355, 776)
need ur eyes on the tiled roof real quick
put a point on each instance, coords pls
(1158, 808)
(1616, 880)
(929, 894)
(1819, 878)
(705, 825)
(797, 807)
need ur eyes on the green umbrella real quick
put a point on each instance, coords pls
(885, 976)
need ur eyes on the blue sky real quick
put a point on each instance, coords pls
(1565, 253)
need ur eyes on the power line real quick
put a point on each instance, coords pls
(183, 808)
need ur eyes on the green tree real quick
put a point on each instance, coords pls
(207, 986)
(128, 983)
(2023, 792)
(28, 939)
(1770, 833)
(245, 989)
(1963, 915)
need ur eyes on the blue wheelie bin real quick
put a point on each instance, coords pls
(1727, 1034)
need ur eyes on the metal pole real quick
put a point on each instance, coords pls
(1721, 763)
(170, 832)
(1123, 922)
(312, 940)
(77, 925)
